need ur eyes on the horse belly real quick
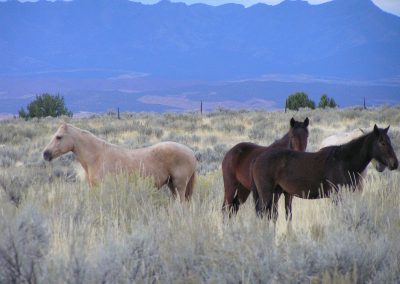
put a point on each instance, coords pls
(302, 188)
(158, 173)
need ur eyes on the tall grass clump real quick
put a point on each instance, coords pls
(55, 229)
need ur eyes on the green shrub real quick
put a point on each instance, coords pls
(45, 105)
(299, 100)
(325, 102)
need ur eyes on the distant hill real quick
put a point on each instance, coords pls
(120, 39)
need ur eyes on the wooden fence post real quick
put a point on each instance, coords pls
(285, 105)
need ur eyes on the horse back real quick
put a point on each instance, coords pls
(237, 161)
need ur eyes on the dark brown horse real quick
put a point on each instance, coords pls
(237, 161)
(316, 175)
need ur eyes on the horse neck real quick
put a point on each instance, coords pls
(357, 152)
(284, 142)
(87, 147)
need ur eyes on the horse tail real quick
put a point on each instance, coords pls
(189, 186)
(256, 196)
(236, 202)
(253, 188)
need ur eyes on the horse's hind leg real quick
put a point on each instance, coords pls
(263, 196)
(171, 186)
(189, 187)
(288, 206)
(274, 204)
(242, 193)
(230, 205)
(177, 185)
(264, 204)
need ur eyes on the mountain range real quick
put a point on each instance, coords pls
(118, 48)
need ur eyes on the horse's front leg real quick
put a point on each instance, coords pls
(91, 178)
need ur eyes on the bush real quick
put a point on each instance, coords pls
(24, 245)
(45, 105)
(325, 102)
(299, 100)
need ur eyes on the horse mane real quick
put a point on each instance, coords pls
(91, 135)
(328, 152)
(349, 147)
(284, 139)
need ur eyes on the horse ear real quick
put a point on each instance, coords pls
(386, 129)
(306, 122)
(292, 122)
(376, 130)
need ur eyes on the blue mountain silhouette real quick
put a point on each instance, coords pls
(113, 51)
(342, 38)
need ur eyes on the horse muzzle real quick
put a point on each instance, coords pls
(378, 166)
(394, 164)
(47, 156)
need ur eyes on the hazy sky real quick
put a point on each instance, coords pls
(392, 6)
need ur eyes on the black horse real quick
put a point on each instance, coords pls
(316, 175)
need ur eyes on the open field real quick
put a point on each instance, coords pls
(54, 229)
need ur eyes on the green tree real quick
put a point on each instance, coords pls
(299, 100)
(45, 105)
(325, 102)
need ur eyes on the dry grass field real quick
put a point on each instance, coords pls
(54, 229)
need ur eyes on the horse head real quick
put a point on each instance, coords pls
(382, 149)
(298, 134)
(61, 143)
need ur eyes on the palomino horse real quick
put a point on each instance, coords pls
(342, 138)
(237, 161)
(316, 175)
(166, 162)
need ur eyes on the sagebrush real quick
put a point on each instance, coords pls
(56, 230)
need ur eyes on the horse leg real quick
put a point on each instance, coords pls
(288, 206)
(171, 186)
(178, 184)
(274, 210)
(263, 197)
(230, 205)
(189, 187)
(242, 193)
(360, 183)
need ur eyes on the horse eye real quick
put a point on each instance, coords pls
(58, 137)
